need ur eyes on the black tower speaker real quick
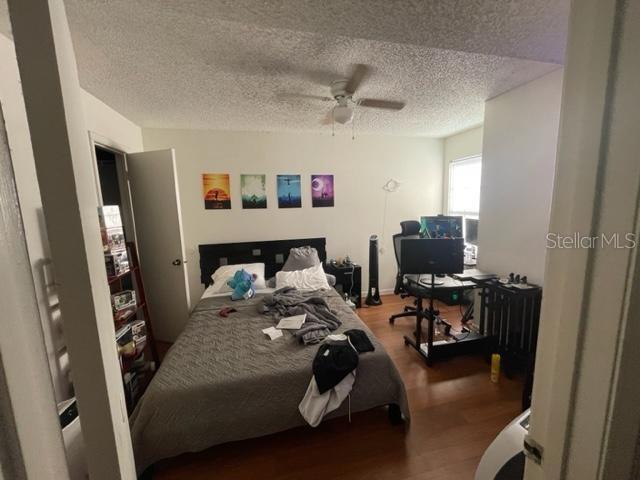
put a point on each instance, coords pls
(373, 297)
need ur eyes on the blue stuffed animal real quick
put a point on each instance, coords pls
(242, 284)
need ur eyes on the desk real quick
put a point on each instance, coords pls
(420, 287)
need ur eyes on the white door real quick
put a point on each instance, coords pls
(584, 411)
(158, 224)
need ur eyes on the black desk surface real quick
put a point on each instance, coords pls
(459, 281)
(474, 274)
(442, 283)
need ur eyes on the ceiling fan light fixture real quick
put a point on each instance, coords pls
(342, 114)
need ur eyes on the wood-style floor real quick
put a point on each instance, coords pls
(456, 412)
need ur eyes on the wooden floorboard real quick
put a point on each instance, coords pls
(456, 412)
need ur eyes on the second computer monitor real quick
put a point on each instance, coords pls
(471, 231)
(441, 226)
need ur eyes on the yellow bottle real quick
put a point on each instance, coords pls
(495, 367)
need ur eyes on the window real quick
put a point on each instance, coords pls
(464, 187)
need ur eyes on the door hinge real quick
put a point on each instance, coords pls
(533, 450)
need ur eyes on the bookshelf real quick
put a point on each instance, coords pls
(135, 341)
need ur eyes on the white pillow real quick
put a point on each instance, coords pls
(226, 272)
(312, 278)
(258, 270)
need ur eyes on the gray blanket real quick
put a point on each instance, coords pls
(288, 301)
(223, 380)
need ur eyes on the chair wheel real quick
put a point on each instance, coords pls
(392, 320)
(406, 342)
(407, 309)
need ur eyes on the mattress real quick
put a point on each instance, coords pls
(223, 380)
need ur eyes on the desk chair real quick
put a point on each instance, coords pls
(409, 229)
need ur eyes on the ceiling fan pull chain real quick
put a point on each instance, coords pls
(333, 123)
(356, 112)
(353, 122)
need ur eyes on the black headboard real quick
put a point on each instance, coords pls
(272, 253)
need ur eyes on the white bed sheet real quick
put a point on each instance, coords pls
(208, 292)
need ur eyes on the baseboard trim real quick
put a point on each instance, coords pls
(386, 291)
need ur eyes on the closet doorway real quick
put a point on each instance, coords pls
(113, 185)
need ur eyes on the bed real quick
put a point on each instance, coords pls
(223, 380)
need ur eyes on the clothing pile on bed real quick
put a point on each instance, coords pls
(289, 302)
(334, 373)
(298, 283)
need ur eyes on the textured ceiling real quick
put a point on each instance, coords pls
(234, 64)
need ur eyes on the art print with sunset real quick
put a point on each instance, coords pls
(216, 191)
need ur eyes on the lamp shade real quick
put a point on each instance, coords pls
(342, 114)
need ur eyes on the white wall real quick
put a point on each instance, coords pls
(105, 124)
(109, 127)
(518, 167)
(361, 167)
(461, 145)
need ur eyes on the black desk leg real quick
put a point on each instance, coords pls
(417, 340)
(468, 314)
(430, 320)
(418, 334)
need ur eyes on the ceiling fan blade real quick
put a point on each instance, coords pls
(302, 96)
(319, 77)
(384, 104)
(358, 75)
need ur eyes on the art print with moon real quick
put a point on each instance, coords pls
(322, 191)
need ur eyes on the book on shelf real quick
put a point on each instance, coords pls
(109, 216)
(123, 316)
(113, 239)
(116, 263)
(139, 331)
(114, 244)
(123, 299)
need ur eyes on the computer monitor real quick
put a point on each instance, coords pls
(441, 226)
(432, 255)
(471, 231)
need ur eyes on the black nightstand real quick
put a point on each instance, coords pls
(348, 280)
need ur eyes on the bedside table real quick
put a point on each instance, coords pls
(348, 280)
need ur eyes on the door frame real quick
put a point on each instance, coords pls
(62, 154)
(100, 141)
(31, 444)
(565, 411)
(584, 405)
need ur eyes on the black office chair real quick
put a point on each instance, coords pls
(409, 229)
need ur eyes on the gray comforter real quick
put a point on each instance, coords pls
(224, 380)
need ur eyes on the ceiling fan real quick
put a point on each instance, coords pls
(343, 92)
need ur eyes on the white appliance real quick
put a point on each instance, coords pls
(504, 459)
(73, 442)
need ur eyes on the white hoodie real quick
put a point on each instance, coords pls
(315, 405)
